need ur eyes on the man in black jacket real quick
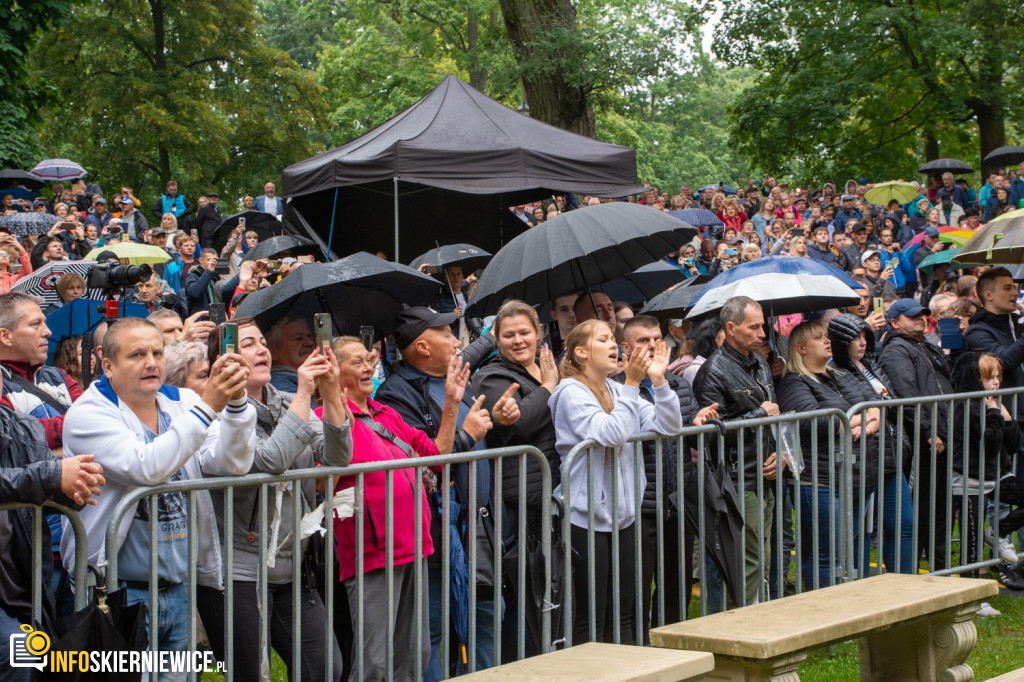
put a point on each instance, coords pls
(917, 368)
(30, 474)
(850, 256)
(992, 330)
(208, 219)
(740, 382)
(644, 331)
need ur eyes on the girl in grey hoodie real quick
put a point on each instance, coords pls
(587, 405)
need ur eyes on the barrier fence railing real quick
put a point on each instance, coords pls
(39, 555)
(941, 439)
(804, 529)
(461, 466)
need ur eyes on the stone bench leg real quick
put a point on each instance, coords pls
(931, 649)
(782, 669)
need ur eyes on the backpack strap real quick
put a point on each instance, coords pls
(385, 434)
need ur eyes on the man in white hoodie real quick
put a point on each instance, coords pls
(144, 434)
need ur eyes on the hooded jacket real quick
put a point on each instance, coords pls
(995, 334)
(917, 369)
(534, 427)
(999, 438)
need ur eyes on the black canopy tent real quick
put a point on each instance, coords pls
(447, 169)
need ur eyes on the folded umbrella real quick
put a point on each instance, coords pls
(22, 224)
(884, 192)
(57, 170)
(275, 246)
(1009, 155)
(783, 285)
(358, 290)
(577, 250)
(936, 166)
(132, 253)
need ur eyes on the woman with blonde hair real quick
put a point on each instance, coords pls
(587, 405)
(70, 286)
(798, 247)
(765, 218)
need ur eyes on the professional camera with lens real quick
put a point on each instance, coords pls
(114, 277)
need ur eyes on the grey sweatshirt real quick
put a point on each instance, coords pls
(578, 416)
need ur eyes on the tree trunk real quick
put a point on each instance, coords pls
(549, 94)
(160, 77)
(477, 69)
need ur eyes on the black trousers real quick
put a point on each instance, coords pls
(246, 618)
(604, 586)
(932, 541)
(673, 562)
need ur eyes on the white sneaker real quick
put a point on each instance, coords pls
(986, 611)
(1003, 546)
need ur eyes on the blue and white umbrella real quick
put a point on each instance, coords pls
(783, 285)
(57, 170)
(727, 189)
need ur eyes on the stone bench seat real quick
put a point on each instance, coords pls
(910, 627)
(595, 662)
(1012, 676)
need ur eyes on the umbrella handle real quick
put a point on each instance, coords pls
(719, 423)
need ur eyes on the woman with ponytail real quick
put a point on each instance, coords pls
(587, 404)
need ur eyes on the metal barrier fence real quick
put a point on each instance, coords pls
(941, 436)
(358, 473)
(39, 555)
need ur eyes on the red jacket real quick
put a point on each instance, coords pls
(367, 446)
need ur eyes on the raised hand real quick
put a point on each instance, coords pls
(478, 422)
(310, 371)
(548, 368)
(456, 379)
(506, 410)
(659, 364)
(706, 413)
(637, 365)
(228, 375)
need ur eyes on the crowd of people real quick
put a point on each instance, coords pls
(170, 403)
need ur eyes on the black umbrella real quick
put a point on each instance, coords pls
(643, 284)
(468, 256)
(723, 523)
(9, 177)
(299, 246)
(1009, 155)
(122, 629)
(263, 224)
(577, 250)
(358, 290)
(677, 301)
(30, 222)
(936, 166)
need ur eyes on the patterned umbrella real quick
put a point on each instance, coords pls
(21, 224)
(43, 282)
(57, 170)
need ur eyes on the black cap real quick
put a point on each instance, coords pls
(857, 227)
(212, 194)
(412, 322)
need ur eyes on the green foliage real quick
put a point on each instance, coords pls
(185, 89)
(21, 21)
(679, 126)
(859, 89)
(302, 28)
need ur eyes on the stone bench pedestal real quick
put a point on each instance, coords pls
(909, 628)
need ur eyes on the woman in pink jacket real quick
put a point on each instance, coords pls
(8, 245)
(379, 434)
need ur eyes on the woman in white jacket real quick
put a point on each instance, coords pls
(586, 404)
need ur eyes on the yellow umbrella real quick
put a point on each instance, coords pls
(132, 253)
(1019, 213)
(958, 237)
(884, 192)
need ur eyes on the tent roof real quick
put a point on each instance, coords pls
(457, 138)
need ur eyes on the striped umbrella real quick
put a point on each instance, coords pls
(57, 170)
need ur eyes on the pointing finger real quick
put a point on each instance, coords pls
(478, 403)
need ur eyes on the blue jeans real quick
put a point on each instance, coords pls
(172, 624)
(10, 626)
(895, 488)
(484, 631)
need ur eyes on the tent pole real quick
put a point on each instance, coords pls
(396, 220)
(330, 236)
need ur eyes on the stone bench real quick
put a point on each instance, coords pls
(1012, 676)
(594, 662)
(910, 627)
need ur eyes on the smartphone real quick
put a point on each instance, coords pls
(241, 221)
(195, 234)
(68, 226)
(730, 252)
(228, 338)
(878, 305)
(217, 314)
(554, 338)
(323, 329)
(273, 265)
(688, 262)
(950, 336)
(367, 336)
(432, 269)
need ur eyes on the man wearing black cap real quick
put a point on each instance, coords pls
(207, 220)
(917, 368)
(416, 390)
(850, 256)
(847, 213)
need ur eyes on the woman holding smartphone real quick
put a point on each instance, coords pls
(586, 404)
